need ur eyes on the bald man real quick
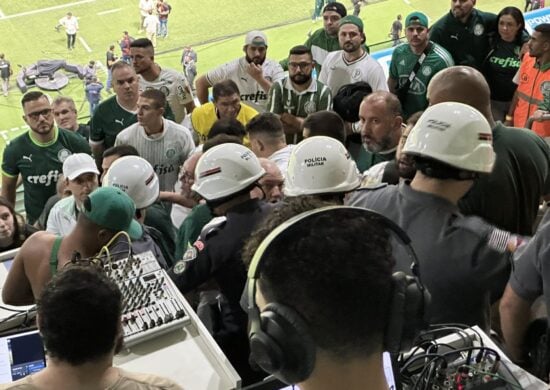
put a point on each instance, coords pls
(510, 196)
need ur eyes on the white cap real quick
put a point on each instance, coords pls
(256, 38)
(77, 164)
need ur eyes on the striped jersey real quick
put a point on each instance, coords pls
(165, 152)
(283, 97)
(251, 92)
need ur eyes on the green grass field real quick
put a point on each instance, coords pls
(213, 27)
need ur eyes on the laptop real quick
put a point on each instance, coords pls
(21, 354)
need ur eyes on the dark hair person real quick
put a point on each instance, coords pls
(13, 228)
(504, 59)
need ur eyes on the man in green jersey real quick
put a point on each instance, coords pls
(324, 40)
(431, 57)
(117, 112)
(298, 95)
(38, 155)
(465, 32)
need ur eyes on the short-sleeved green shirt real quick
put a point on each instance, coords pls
(403, 61)
(110, 118)
(40, 165)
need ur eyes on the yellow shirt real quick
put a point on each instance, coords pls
(203, 117)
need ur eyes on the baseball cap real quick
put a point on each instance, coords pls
(351, 19)
(112, 209)
(77, 164)
(416, 18)
(336, 7)
(256, 38)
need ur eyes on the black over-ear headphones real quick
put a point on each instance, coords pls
(280, 341)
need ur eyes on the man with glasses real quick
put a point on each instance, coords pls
(38, 155)
(298, 95)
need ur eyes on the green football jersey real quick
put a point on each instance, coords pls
(40, 165)
(402, 63)
(110, 118)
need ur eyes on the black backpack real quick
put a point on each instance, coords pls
(348, 99)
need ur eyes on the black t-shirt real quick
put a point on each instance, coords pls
(110, 56)
(509, 197)
(500, 68)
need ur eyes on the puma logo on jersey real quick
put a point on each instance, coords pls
(120, 121)
(29, 157)
(244, 79)
(454, 36)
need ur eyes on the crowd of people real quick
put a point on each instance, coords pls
(274, 202)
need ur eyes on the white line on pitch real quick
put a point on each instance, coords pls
(37, 11)
(2, 15)
(109, 11)
(101, 66)
(85, 44)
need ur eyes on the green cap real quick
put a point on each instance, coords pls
(416, 18)
(351, 19)
(112, 209)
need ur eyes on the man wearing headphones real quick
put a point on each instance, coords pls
(465, 262)
(224, 177)
(319, 314)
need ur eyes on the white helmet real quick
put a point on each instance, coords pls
(455, 134)
(135, 176)
(320, 165)
(225, 170)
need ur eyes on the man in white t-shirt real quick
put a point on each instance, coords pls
(70, 24)
(172, 83)
(144, 7)
(253, 73)
(81, 178)
(165, 144)
(151, 24)
(351, 64)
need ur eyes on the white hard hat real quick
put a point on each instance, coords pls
(320, 165)
(455, 134)
(225, 170)
(135, 176)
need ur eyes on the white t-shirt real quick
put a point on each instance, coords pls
(336, 72)
(151, 23)
(165, 153)
(281, 157)
(62, 217)
(145, 6)
(175, 87)
(70, 24)
(251, 92)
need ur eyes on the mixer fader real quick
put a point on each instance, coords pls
(152, 304)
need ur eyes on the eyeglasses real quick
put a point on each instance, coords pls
(301, 65)
(36, 115)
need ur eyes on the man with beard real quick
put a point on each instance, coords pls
(381, 126)
(324, 40)
(408, 80)
(465, 32)
(297, 96)
(352, 64)
(252, 73)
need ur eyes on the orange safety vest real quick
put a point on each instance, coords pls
(533, 82)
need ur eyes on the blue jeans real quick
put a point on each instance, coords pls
(93, 107)
(109, 79)
(163, 28)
